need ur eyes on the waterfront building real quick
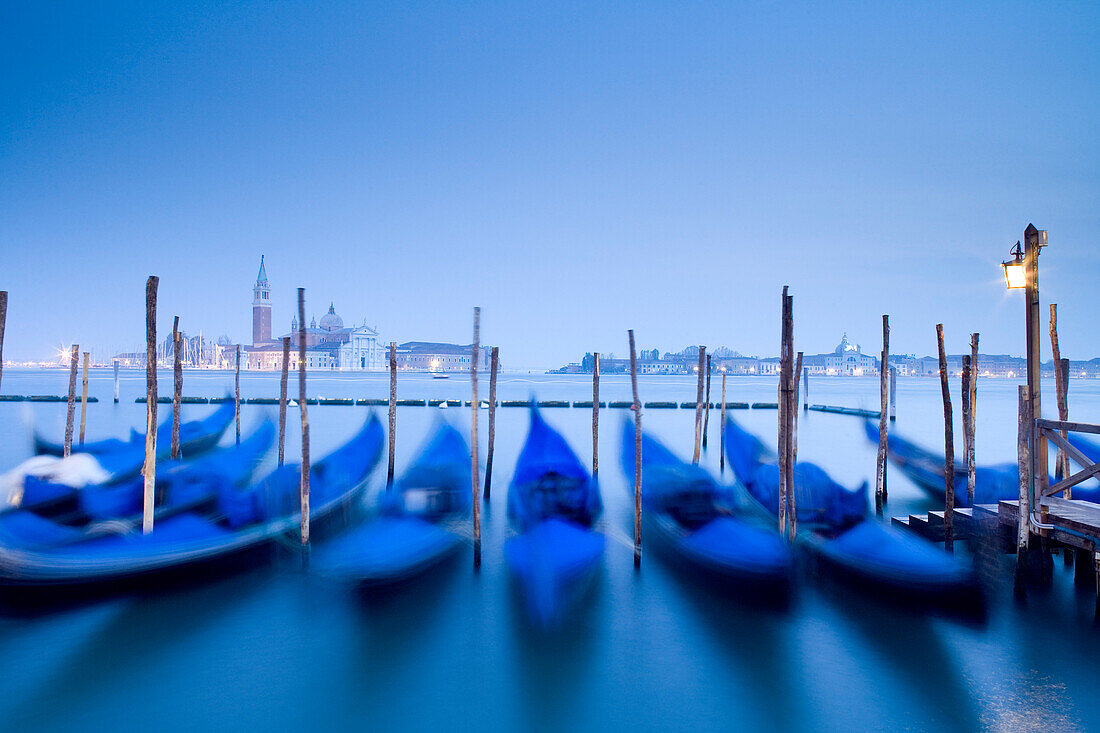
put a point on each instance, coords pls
(432, 356)
(329, 344)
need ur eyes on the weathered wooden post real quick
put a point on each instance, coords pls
(494, 357)
(973, 409)
(475, 482)
(237, 395)
(84, 397)
(968, 447)
(116, 381)
(805, 389)
(392, 414)
(792, 418)
(3, 325)
(880, 459)
(595, 414)
(1023, 454)
(149, 470)
(177, 387)
(1061, 465)
(706, 409)
(637, 407)
(282, 397)
(722, 430)
(796, 375)
(304, 480)
(699, 402)
(893, 393)
(948, 448)
(69, 414)
(786, 470)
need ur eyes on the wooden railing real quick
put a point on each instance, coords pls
(1054, 431)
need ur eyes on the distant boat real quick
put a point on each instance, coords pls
(699, 521)
(418, 522)
(553, 502)
(837, 532)
(440, 375)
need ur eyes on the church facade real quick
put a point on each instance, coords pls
(329, 344)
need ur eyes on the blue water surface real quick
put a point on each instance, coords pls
(282, 648)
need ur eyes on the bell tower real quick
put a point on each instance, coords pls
(261, 308)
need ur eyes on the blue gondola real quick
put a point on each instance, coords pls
(418, 520)
(553, 502)
(926, 469)
(235, 523)
(118, 461)
(196, 436)
(992, 484)
(836, 530)
(700, 521)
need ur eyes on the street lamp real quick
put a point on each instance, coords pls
(1015, 269)
(1022, 272)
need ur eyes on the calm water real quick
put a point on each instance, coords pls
(279, 648)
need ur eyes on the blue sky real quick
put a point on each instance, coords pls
(575, 169)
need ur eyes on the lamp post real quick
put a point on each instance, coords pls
(1022, 272)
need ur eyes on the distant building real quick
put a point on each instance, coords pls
(432, 356)
(329, 345)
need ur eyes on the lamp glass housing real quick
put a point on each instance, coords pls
(1015, 274)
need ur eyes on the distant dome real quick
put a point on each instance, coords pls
(330, 321)
(845, 346)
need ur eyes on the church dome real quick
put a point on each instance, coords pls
(845, 346)
(330, 321)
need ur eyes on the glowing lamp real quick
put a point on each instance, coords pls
(1015, 271)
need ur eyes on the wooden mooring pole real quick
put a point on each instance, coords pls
(971, 476)
(69, 413)
(893, 393)
(637, 407)
(282, 397)
(84, 396)
(237, 395)
(722, 430)
(1061, 466)
(177, 387)
(304, 480)
(948, 448)
(149, 470)
(805, 389)
(968, 448)
(494, 363)
(475, 483)
(792, 417)
(392, 414)
(700, 370)
(706, 408)
(116, 381)
(880, 459)
(784, 403)
(3, 325)
(595, 414)
(786, 378)
(1023, 457)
